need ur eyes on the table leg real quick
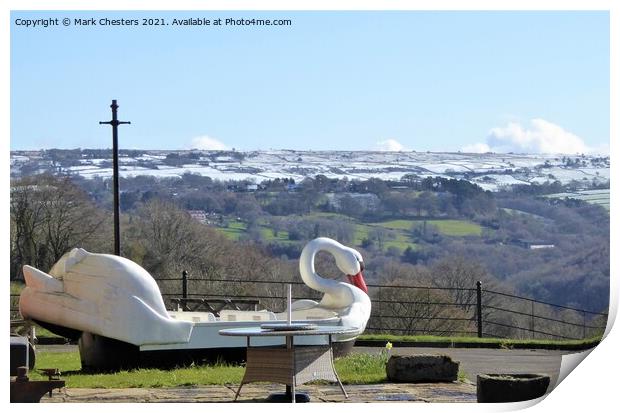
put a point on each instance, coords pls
(291, 394)
(291, 389)
(342, 387)
(241, 385)
(331, 355)
(238, 391)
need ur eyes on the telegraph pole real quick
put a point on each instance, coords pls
(115, 122)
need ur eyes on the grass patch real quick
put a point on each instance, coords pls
(506, 343)
(450, 227)
(357, 368)
(330, 215)
(353, 369)
(361, 233)
(456, 228)
(361, 368)
(41, 332)
(234, 230)
(17, 287)
(402, 224)
(268, 235)
(399, 230)
(70, 367)
(523, 213)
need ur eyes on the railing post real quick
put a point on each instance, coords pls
(184, 289)
(584, 324)
(479, 307)
(382, 309)
(532, 320)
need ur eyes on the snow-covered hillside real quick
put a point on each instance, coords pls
(490, 171)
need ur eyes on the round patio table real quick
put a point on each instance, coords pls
(291, 364)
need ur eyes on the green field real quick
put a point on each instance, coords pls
(449, 227)
(237, 229)
(234, 230)
(398, 233)
(268, 235)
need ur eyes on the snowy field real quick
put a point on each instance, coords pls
(490, 171)
(593, 196)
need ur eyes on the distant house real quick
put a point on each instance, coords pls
(198, 215)
(241, 187)
(224, 159)
(532, 244)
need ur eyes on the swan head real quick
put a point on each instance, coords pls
(352, 264)
(348, 260)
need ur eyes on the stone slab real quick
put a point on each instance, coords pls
(257, 393)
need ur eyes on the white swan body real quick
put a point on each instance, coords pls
(350, 302)
(101, 294)
(113, 297)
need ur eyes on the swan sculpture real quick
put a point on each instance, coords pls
(101, 294)
(114, 306)
(349, 301)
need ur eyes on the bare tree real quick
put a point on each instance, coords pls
(49, 216)
(166, 237)
(459, 276)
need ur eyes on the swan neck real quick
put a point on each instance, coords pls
(306, 266)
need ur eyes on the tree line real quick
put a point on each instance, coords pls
(49, 216)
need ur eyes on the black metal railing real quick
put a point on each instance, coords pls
(400, 309)
(407, 309)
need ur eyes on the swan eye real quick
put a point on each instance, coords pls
(361, 265)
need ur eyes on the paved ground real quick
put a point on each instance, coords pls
(472, 362)
(476, 361)
(256, 393)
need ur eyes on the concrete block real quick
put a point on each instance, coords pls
(422, 369)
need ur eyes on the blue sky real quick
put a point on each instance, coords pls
(438, 81)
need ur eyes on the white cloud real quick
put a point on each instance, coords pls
(390, 145)
(476, 148)
(540, 136)
(207, 143)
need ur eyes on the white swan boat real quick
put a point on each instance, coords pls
(116, 310)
